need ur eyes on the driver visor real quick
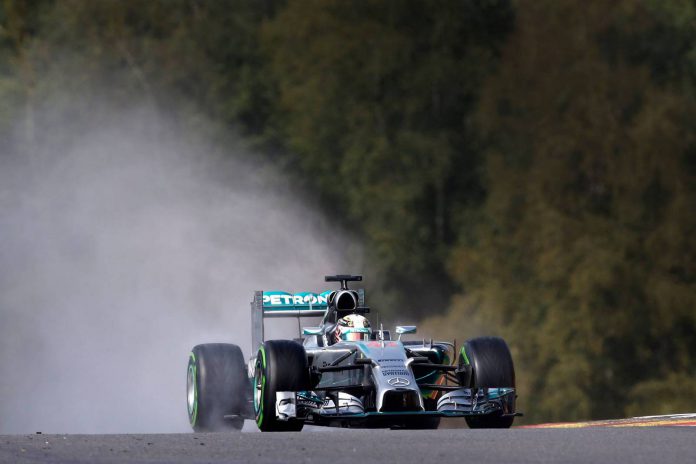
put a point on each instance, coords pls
(354, 336)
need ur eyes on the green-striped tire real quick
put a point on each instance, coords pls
(491, 367)
(216, 385)
(281, 365)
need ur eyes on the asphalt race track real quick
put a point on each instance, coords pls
(658, 444)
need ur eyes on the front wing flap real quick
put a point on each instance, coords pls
(478, 401)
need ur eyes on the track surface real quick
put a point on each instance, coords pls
(590, 445)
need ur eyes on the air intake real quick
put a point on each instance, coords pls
(346, 300)
(400, 400)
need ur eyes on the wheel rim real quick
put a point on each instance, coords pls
(258, 386)
(191, 392)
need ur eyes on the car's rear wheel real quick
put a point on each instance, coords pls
(491, 367)
(216, 386)
(281, 365)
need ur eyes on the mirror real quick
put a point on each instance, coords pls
(405, 329)
(311, 330)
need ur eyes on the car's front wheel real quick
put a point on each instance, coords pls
(281, 365)
(491, 366)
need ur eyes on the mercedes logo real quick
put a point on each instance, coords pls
(398, 382)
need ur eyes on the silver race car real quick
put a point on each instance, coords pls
(345, 372)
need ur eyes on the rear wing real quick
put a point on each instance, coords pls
(283, 304)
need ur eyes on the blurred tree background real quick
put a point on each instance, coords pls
(520, 168)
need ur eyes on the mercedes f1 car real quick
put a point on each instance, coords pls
(346, 373)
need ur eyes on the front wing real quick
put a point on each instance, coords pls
(309, 407)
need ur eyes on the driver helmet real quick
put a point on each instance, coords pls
(352, 327)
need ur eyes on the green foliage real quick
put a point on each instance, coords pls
(170, 54)
(584, 257)
(374, 100)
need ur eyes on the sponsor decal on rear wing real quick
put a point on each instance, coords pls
(284, 304)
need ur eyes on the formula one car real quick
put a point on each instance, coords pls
(346, 373)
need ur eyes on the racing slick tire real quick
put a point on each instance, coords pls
(491, 367)
(217, 386)
(281, 365)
